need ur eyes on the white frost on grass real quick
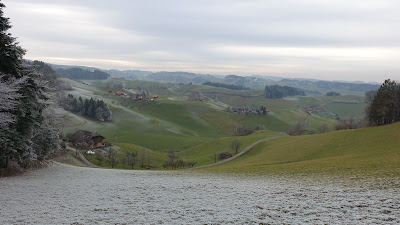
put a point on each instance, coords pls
(64, 194)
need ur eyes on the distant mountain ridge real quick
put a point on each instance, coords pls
(256, 82)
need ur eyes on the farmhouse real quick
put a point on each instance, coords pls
(87, 138)
(121, 93)
(311, 109)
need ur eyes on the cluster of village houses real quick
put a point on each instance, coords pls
(310, 110)
(247, 111)
(134, 96)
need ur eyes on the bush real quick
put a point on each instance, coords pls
(224, 155)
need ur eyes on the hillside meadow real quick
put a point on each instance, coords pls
(195, 130)
(372, 151)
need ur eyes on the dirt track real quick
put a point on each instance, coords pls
(235, 156)
(82, 157)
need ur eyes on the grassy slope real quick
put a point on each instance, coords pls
(191, 128)
(333, 105)
(285, 112)
(203, 153)
(372, 151)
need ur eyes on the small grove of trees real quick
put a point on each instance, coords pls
(350, 124)
(384, 105)
(263, 110)
(197, 96)
(300, 127)
(228, 86)
(90, 108)
(111, 157)
(175, 162)
(277, 91)
(243, 130)
(332, 93)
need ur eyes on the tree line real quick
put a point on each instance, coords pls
(27, 128)
(277, 91)
(332, 93)
(175, 162)
(81, 74)
(228, 86)
(96, 109)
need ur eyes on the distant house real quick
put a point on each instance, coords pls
(121, 93)
(311, 109)
(88, 138)
(155, 96)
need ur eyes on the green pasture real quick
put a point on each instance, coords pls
(203, 154)
(373, 151)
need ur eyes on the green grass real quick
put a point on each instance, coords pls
(203, 154)
(370, 151)
(335, 105)
(196, 130)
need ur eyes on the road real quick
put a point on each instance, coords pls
(82, 157)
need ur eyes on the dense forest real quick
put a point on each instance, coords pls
(81, 74)
(90, 108)
(276, 91)
(228, 86)
(27, 127)
(332, 93)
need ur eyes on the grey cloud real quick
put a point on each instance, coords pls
(191, 32)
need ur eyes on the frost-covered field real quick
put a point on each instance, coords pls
(63, 194)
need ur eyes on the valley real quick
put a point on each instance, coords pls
(196, 122)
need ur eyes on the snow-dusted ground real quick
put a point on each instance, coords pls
(63, 194)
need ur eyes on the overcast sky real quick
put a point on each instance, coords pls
(322, 39)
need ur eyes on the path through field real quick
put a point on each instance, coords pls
(233, 157)
(63, 194)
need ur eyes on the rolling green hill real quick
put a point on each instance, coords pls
(372, 151)
(195, 129)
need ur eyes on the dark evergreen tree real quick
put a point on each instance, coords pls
(385, 106)
(28, 118)
(75, 108)
(85, 111)
(10, 52)
(92, 108)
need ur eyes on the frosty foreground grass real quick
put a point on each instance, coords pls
(63, 194)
